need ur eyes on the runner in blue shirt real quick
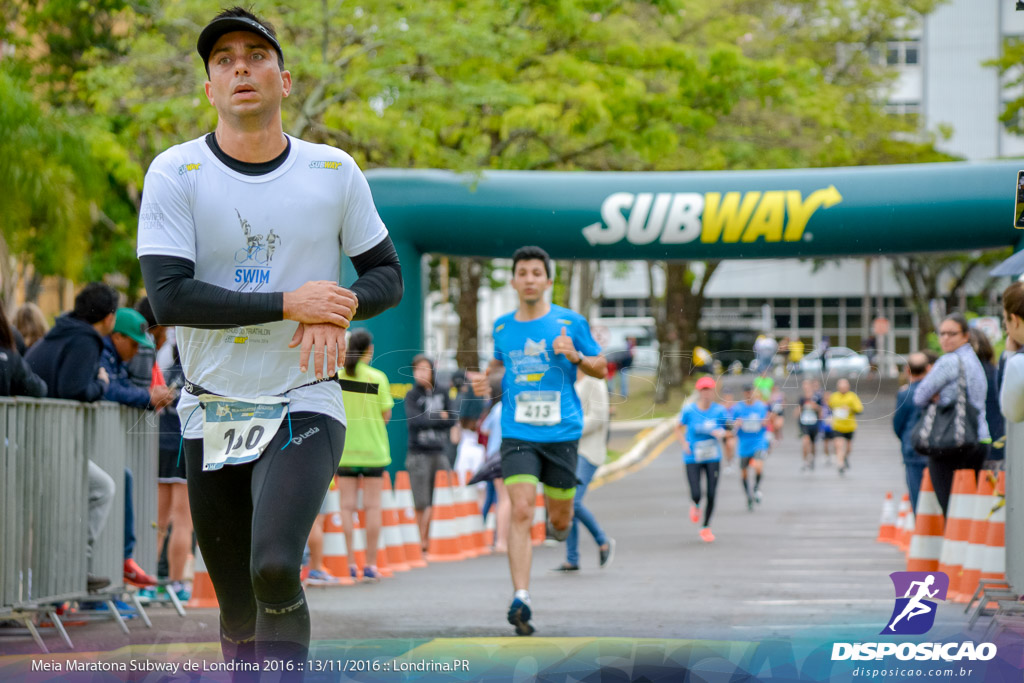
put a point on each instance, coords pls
(540, 346)
(700, 429)
(752, 416)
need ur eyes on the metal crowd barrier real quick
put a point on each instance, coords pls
(45, 446)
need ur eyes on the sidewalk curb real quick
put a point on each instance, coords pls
(637, 452)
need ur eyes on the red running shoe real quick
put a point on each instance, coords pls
(694, 514)
(135, 575)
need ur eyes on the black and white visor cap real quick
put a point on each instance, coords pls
(218, 27)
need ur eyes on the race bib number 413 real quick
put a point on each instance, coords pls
(237, 431)
(539, 407)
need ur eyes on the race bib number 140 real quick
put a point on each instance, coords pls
(237, 431)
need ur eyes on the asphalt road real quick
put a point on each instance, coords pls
(805, 560)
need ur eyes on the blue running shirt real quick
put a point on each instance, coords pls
(539, 380)
(699, 425)
(753, 435)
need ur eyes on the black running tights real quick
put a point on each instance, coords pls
(710, 470)
(252, 522)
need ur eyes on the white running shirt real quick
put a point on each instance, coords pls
(265, 233)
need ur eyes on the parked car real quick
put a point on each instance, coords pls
(840, 361)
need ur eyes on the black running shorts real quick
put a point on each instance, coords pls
(554, 464)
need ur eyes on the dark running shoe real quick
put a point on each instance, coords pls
(519, 616)
(566, 568)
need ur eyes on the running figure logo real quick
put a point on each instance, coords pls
(915, 589)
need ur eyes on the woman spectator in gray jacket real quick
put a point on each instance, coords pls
(940, 385)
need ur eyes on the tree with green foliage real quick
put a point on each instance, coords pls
(48, 188)
(1008, 65)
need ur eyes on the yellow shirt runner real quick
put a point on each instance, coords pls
(844, 407)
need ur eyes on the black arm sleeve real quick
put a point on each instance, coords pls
(179, 299)
(379, 286)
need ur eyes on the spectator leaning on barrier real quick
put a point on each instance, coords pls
(124, 341)
(16, 377)
(68, 357)
(903, 421)
(940, 385)
(1011, 395)
(68, 360)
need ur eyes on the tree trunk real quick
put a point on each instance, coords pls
(8, 274)
(33, 287)
(470, 273)
(588, 273)
(662, 333)
(695, 305)
(680, 325)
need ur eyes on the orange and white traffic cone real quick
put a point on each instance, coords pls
(203, 594)
(904, 535)
(391, 532)
(476, 520)
(958, 526)
(336, 560)
(887, 527)
(383, 559)
(901, 518)
(443, 534)
(993, 563)
(926, 544)
(412, 544)
(539, 530)
(462, 517)
(977, 534)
